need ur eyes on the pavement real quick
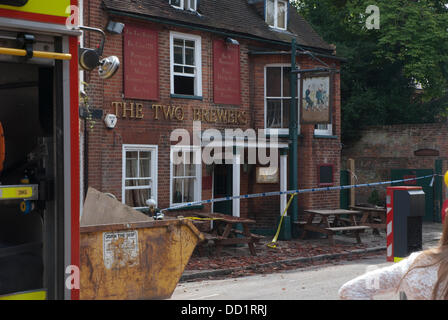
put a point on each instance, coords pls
(292, 254)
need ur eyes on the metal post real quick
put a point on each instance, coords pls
(293, 156)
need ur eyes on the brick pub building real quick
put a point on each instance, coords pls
(225, 64)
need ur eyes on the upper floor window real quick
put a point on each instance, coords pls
(184, 4)
(276, 13)
(186, 70)
(278, 97)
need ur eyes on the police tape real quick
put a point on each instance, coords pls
(298, 191)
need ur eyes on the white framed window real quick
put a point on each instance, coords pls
(277, 14)
(177, 3)
(191, 5)
(184, 4)
(323, 129)
(139, 177)
(186, 174)
(277, 98)
(185, 66)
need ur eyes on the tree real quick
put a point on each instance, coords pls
(384, 66)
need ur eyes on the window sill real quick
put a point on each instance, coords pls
(183, 96)
(279, 135)
(322, 136)
(199, 207)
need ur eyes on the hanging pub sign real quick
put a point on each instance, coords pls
(316, 98)
(226, 73)
(140, 63)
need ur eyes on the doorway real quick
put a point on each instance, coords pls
(222, 187)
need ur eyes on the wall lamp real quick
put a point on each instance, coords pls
(89, 59)
(114, 27)
(232, 41)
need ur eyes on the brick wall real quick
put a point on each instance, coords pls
(105, 146)
(382, 148)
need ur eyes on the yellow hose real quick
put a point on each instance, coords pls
(36, 54)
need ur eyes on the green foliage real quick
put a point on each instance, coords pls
(383, 65)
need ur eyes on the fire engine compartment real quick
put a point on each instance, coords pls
(31, 117)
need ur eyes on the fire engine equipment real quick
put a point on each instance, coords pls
(405, 211)
(2, 148)
(36, 54)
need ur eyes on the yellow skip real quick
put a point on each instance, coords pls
(273, 243)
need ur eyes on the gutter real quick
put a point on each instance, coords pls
(255, 52)
(211, 30)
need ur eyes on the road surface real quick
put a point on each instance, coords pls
(312, 283)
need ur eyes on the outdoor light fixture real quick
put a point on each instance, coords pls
(114, 27)
(232, 41)
(108, 67)
(89, 59)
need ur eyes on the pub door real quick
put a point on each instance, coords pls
(222, 187)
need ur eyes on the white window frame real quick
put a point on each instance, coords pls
(280, 131)
(154, 160)
(189, 6)
(186, 4)
(198, 181)
(197, 57)
(324, 132)
(181, 5)
(275, 26)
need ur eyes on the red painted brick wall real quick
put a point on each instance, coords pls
(105, 146)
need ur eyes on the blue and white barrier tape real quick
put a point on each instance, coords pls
(277, 193)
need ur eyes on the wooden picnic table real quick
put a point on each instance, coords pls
(330, 221)
(373, 217)
(224, 231)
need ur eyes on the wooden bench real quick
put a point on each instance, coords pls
(355, 229)
(224, 231)
(255, 237)
(330, 221)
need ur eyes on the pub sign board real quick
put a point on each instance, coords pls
(316, 98)
(141, 72)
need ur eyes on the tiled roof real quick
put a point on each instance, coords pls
(236, 16)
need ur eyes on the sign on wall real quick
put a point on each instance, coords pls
(141, 72)
(226, 73)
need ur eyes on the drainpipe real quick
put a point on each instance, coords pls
(293, 156)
